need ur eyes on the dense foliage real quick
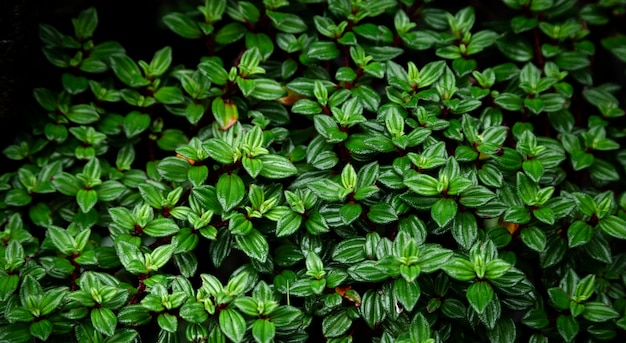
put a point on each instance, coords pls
(395, 171)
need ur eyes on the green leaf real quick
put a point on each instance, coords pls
(367, 271)
(193, 312)
(104, 320)
(219, 150)
(613, 226)
(61, 240)
(135, 123)
(350, 212)
(517, 215)
(230, 191)
(599, 312)
(288, 224)
(169, 95)
(545, 215)
(160, 62)
(382, 213)
(230, 32)
(276, 167)
(17, 197)
(336, 324)
(465, 229)
(371, 308)
(534, 169)
(504, 331)
(350, 250)
(479, 295)
(267, 89)
(496, 268)
(197, 175)
(582, 159)
(87, 199)
(509, 101)
(407, 293)
(82, 114)
(460, 269)
(422, 184)
(74, 84)
(322, 50)
(571, 60)
(214, 71)
(536, 319)
(567, 326)
(130, 256)
(327, 189)
(110, 190)
(515, 47)
(534, 238)
(232, 324)
(306, 106)
(263, 330)
(160, 256)
(443, 211)
(182, 25)
(579, 233)
(173, 169)
(167, 322)
(41, 329)
(254, 245)
(127, 71)
(286, 22)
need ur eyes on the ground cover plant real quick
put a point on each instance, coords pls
(342, 170)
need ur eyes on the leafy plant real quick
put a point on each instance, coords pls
(387, 171)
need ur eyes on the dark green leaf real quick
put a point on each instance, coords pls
(479, 294)
(182, 25)
(232, 324)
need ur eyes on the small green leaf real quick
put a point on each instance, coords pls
(230, 191)
(371, 308)
(599, 312)
(87, 199)
(104, 320)
(327, 189)
(479, 295)
(173, 169)
(465, 229)
(613, 226)
(219, 150)
(567, 326)
(579, 233)
(263, 330)
(286, 22)
(407, 293)
(534, 238)
(276, 167)
(443, 211)
(254, 245)
(232, 324)
(182, 25)
(167, 322)
(422, 184)
(460, 269)
(288, 224)
(41, 329)
(382, 213)
(169, 95)
(336, 324)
